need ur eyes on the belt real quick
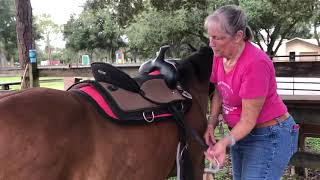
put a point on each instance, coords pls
(273, 121)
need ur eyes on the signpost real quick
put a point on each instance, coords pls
(33, 69)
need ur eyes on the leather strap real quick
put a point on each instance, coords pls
(273, 121)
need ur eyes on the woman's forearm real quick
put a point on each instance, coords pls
(216, 103)
(250, 111)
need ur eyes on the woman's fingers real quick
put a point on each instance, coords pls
(212, 158)
(216, 154)
(206, 138)
(212, 139)
(209, 157)
(209, 136)
(220, 158)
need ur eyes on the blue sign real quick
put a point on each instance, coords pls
(33, 56)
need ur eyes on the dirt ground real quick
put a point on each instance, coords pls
(313, 174)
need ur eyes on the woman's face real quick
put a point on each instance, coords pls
(222, 44)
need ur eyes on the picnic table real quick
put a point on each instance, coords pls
(6, 85)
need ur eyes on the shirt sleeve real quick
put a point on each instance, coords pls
(256, 79)
(213, 77)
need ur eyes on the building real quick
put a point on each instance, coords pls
(303, 47)
(307, 48)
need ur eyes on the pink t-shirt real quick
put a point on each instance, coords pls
(252, 76)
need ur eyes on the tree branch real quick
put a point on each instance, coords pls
(258, 41)
(199, 34)
(316, 35)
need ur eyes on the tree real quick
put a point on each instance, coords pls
(315, 21)
(301, 30)
(173, 5)
(276, 20)
(24, 30)
(175, 28)
(148, 24)
(46, 27)
(93, 30)
(123, 11)
(8, 41)
(176, 23)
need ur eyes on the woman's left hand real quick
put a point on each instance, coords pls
(217, 152)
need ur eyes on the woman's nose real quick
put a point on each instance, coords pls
(212, 42)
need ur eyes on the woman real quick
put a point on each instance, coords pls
(263, 135)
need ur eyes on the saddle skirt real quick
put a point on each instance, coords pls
(151, 103)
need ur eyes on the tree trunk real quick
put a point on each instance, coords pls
(316, 33)
(24, 32)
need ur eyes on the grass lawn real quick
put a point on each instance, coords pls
(53, 85)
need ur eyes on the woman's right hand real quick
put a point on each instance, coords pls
(209, 135)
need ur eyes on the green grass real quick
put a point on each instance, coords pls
(313, 144)
(52, 85)
(9, 79)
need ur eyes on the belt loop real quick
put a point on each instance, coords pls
(279, 121)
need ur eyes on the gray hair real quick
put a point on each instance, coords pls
(232, 19)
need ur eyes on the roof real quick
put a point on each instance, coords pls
(309, 41)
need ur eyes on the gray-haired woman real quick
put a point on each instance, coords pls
(263, 135)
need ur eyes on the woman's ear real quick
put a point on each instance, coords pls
(239, 36)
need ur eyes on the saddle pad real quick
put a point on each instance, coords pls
(94, 94)
(108, 107)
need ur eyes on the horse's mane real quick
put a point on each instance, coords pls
(198, 64)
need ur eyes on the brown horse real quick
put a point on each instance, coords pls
(48, 134)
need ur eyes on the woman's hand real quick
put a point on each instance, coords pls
(217, 152)
(209, 135)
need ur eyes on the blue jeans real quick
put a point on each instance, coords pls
(265, 152)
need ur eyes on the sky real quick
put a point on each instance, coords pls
(60, 11)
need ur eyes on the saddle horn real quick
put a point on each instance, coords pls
(161, 53)
(166, 68)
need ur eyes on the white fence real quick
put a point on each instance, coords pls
(298, 86)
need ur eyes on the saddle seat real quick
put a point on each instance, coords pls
(152, 87)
